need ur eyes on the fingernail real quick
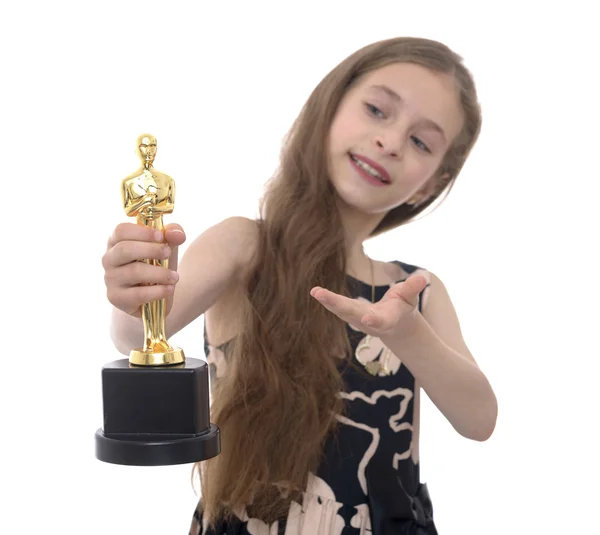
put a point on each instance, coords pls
(158, 236)
(174, 276)
(177, 230)
(167, 251)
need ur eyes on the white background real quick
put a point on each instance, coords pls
(219, 84)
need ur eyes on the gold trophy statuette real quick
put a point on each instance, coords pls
(156, 403)
(147, 194)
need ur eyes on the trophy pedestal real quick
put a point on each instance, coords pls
(146, 358)
(156, 415)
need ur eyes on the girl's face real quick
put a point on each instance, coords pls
(390, 134)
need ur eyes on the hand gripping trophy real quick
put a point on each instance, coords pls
(156, 403)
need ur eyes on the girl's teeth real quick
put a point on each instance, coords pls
(367, 168)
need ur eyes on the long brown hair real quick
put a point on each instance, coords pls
(277, 403)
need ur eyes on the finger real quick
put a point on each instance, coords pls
(134, 232)
(133, 298)
(174, 235)
(137, 273)
(350, 310)
(125, 252)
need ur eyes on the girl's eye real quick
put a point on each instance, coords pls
(420, 144)
(374, 110)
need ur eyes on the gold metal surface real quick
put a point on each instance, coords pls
(146, 195)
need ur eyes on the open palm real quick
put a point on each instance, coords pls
(396, 311)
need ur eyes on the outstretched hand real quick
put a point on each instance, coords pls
(395, 313)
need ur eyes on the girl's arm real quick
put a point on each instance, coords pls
(436, 354)
(217, 259)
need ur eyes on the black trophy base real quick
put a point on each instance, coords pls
(155, 416)
(155, 450)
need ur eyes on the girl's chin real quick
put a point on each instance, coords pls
(358, 206)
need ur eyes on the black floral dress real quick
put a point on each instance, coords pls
(368, 482)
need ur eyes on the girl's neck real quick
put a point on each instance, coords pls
(357, 228)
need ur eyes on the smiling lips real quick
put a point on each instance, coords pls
(370, 168)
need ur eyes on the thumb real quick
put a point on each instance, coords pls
(410, 289)
(174, 235)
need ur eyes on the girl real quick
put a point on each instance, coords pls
(317, 352)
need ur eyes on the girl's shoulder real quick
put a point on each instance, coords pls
(400, 271)
(235, 237)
